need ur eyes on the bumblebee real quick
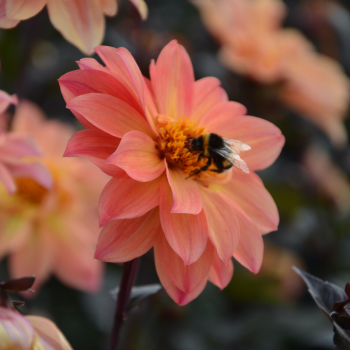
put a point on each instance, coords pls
(221, 152)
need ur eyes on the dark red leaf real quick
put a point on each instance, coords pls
(18, 284)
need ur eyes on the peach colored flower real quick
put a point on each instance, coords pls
(29, 332)
(52, 231)
(13, 150)
(248, 32)
(254, 44)
(138, 131)
(81, 22)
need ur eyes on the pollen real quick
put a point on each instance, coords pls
(174, 144)
(29, 190)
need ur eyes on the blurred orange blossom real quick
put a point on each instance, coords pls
(136, 131)
(29, 332)
(52, 231)
(254, 44)
(81, 22)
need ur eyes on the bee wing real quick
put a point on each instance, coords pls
(237, 146)
(233, 158)
(241, 164)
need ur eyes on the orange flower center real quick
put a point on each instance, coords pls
(175, 144)
(29, 190)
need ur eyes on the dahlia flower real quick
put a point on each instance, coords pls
(14, 148)
(254, 44)
(139, 131)
(248, 32)
(53, 230)
(29, 332)
(81, 22)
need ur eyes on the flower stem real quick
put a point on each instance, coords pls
(129, 273)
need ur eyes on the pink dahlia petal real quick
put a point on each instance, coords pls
(5, 22)
(250, 249)
(173, 81)
(16, 331)
(95, 146)
(50, 337)
(7, 180)
(180, 297)
(17, 146)
(187, 234)
(15, 232)
(151, 109)
(207, 94)
(264, 138)
(81, 23)
(185, 277)
(109, 7)
(222, 113)
(223, 225)
(248, 191)
(23, 9)
(138, 157)
(125, 69)
(79, 82)
(35, 171)
(125, 198)
(94, 79)
(76, 267)
(141, 7)
(28, 119)
(6, 100)
(186, 196)
(124, 240)
(219, 273)
(109, 114)
(33, 258)
(90, 63)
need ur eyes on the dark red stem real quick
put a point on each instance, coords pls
(129, 273)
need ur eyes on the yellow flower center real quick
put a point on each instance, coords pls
(29, 190)
(175, 144)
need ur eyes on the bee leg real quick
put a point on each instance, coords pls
(204, 168)
(218, 161)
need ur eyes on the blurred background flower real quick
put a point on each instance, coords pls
(29, 332)
(52, 230)
(14, 148)
(254, 44)
(81, 22)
